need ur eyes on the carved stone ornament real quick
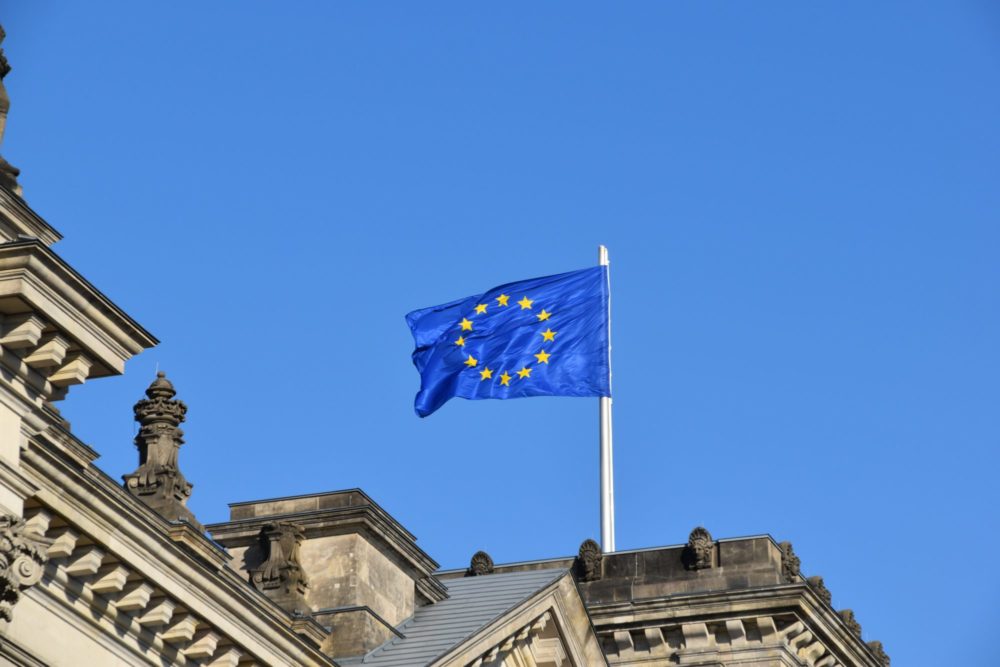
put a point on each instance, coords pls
(158, 481)
(880, 654)
(816, 583)
(790, 563)
(22, 562)
(589, 561)
(8, 172)
(480, 564)
(700, 550)
(847, 616)
(280, 576)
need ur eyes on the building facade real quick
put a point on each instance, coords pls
(96, 571)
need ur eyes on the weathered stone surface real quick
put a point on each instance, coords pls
(281, 577)
(700, 551)
(790, 563)
(158, 481)
(353, 631)
(588, 561)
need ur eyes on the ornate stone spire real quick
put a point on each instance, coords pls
(280, 577)
(8, 172)
(158, 481)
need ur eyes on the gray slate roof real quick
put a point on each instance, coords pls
(473, 603)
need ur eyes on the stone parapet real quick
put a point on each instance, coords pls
(342, 552)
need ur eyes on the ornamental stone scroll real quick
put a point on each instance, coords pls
(22, 562)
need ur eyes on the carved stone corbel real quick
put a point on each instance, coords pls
(22, 562)
(480, 564)
(281, 576)
(699, 553)
(589, 561)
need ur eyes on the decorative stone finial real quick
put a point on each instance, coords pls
(281, 577)
(8, 172)
(22, 562)
(790, 563)
(879, 651)
(847, 616)
(816, 583)
(480, 564)
(700, 550)
(589, 561)
(158, 481)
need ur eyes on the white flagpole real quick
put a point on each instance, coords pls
(607, 461)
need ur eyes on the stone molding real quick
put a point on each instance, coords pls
(83, 508)
(56, 329)
(530, 645)
(567, 633)
(17, 219)
(800, 621)
(85, 573)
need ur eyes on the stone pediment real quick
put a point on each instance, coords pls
(505, 620)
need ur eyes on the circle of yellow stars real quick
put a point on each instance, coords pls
(486, 373)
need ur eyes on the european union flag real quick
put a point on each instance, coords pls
(540, 337)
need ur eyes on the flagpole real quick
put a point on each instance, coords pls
(607, 459)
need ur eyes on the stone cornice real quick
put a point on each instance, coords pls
(557, 603)
(798, 599)
(51, 289)
(365, 516)
(22, 220)
(95, 505)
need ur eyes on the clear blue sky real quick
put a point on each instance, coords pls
(801, 202)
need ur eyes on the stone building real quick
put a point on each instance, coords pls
(96, 571)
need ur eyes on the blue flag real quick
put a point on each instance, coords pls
(540, 337)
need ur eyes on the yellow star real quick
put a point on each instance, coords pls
(525, 372)
(471, 362)
(466, 325)
(525, 303)
(502, 300)
(505, 379)
(549, 334)
(543, 357)
(485, 374)
(481, 309)
(461, 341)
(544, 315)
